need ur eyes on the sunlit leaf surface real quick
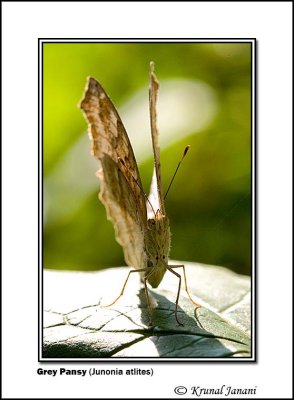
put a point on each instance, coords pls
(77, 326)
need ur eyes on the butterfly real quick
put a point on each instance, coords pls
(141, 225)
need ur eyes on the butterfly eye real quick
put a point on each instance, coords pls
(163, 257)
(157, 257)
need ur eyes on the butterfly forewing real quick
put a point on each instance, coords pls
(120, 191)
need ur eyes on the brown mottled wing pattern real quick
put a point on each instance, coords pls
(156, 190)
(120, 190)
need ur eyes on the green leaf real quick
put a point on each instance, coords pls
(76, 325)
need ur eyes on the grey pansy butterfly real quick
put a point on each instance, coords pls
(141, 228)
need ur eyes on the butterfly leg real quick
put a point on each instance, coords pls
(186, 286)
(147, 294)
(124, 285)
(169, 267)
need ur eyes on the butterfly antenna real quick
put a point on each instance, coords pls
(137, 183)
(175, 173)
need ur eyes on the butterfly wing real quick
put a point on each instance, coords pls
(120, 191)
(156, 190)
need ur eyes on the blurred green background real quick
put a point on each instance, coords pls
(204, 100)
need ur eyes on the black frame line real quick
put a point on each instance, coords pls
(253, 279)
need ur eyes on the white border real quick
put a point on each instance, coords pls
(271, 23)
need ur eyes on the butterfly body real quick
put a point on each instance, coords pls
(157, 247)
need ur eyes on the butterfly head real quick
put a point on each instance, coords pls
(157, 246)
